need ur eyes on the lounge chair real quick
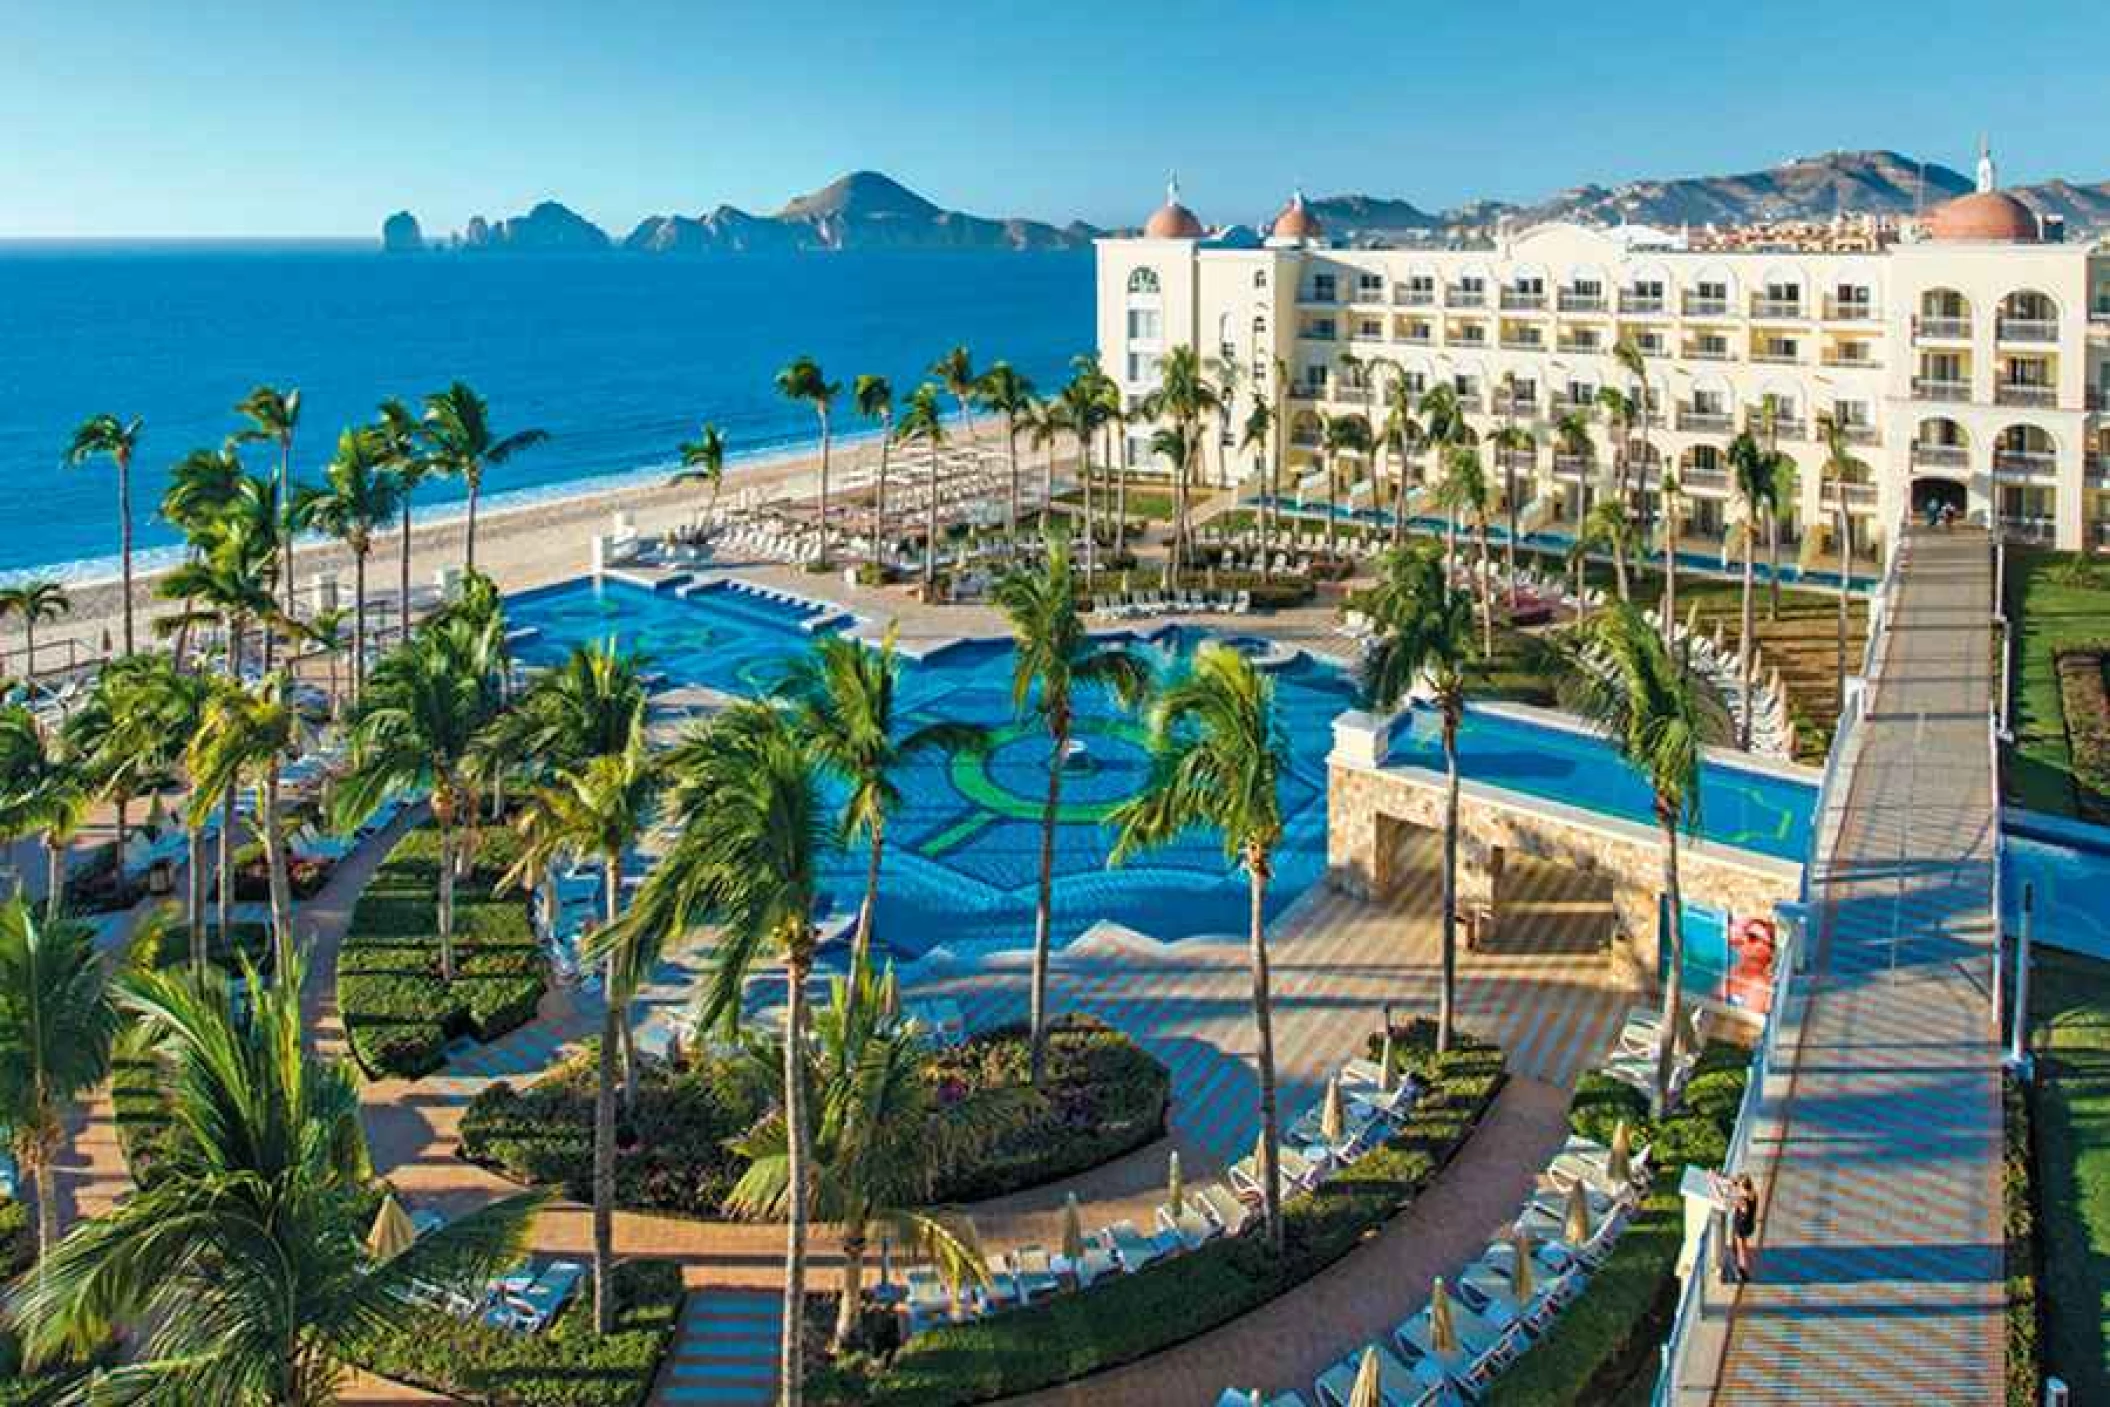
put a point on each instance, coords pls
(1190, 1228)
(1096, 1264)
(548, 1295)
(1224, 1207)
(1132, 1248)
(1297, 1172)
(928, 1301)
(1034, 1272)
(1399, 1385)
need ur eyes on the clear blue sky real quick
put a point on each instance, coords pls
(300, 117)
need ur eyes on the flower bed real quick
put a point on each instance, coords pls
(1133, 1316)
(2085, 703)
(567, 1365)
(1608, 1339)
(398, 1014)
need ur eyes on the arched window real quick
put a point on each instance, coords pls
(1260, 278)
(1143, 281)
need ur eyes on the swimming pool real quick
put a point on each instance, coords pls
(1558, 543)
(2066, 866)
(963, 850)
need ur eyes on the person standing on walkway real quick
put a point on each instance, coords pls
(1743, 1223)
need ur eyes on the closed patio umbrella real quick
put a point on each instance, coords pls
(1520, 1279)
(392, 1232)
(1369, 1389)
(1443, 1334)
(1072, 1231)
(1332, 1120)
(1384, 1061)
(1577, 1226)
(1619, 1162)
(1175, 1185)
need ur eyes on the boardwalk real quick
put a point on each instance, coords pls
(1879, 1277)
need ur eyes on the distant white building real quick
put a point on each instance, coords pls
(1969, 364)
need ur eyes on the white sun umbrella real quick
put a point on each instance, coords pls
(1333, 1120)
(1369, 1389)
(1072, 1230)
(1443, 1334)
(392, 1233)
(1577, 1225)
(1619, 1160)
(1175, 1185)
(1520, 1278)
(1384, 1062)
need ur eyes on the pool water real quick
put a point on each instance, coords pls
(2066, 867)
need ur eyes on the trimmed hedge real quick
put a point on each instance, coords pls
(18, 1239)
(140, 1102)
(1133, 1316)
(2025, 1340)
(398, 1014)
(2084, 702)
(674, 1155)
(1608, 1338)
(567, 1365)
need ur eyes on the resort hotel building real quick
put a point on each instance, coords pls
(1966, 358)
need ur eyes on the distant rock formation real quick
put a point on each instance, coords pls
(400, 234)
(549, 228)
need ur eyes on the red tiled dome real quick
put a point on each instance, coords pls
(1984, 216)
(1173, 220)
(1296, 221)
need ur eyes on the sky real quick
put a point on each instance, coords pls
(145, 118)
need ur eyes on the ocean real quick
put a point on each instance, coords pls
(618, 357)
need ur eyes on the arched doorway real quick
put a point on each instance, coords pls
(1931, 494)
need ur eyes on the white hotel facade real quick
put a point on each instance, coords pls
(1971, 364)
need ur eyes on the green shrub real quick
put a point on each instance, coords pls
(1132, 1316)
(398, 1014)
(140, 1102)
(159, 947)
(1608, 1338)
(566, 1365)
(18, 1239)
(2025, 1374)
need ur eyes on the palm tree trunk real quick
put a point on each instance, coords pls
(604, 1154)
(930, 531)
(285, 508)
(822, 558)
(791, 1387)
(476, 486)
(1744, 629)
(1773, 567)
(1487, 595)
(279, 882)
(446, 904)
(851, 1307)
(194, 896)
(1257, 866)
(1670, 571)
(1619, 564)
(1011, 513)
(47, 1204)
(1333, 505)
(403, 574)
(223, 900)
(1091, 533)
(1447, 992)
(29, 644)
(124, 538)
(879, 505)
(868, 908)
(1509, 508)
(358, 623)
(1674, 934)
(1044, 901)
(54, 878)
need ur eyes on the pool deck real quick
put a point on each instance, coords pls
(1880, 1273)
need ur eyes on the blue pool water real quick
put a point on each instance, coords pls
(1558, 543)
(2066, 867)
(962, 852)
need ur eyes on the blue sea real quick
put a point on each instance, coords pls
(618, 357)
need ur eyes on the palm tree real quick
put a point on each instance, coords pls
(45, 790)
(1754, 474)
(882, 1137)
(149, 709)
(1083, 410)
(1425, 627)
(1219, 754)
(33, 601)
(703, 459)
(1509, 442)
(1169, 443)
(243, 1256)
(1840, 468)
(409, 464)
(1607, 526)
(1056, 656)
(359, 495)
(955, 372)
(245, 738)
(802, 380)
(874, 398)
(1571, 437)
(1671, 491)
(460, 443)
(1185, 398)
(324, 631)
(1406, 435)
(1254, 437)
(415, 726)
(1228, 372)
(1007, 392)
(1658, 714)
(922, 420)
(105, 434)
(1044, 426)
(56, 1025)
(751, 823)
(201, 487)
(1619, 411)
(1463, 493)
(1626, 351)
(842, 695)
(1339, 435)
(273, 416)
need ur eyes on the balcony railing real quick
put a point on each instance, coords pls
(2027, 528)
(1926, 455)
(1697, 306)
(1929, 388)
(1522, 342)
(1471, 335)
(1573, 465)
(1641, 303)
(1516, 461)
(1848, 311)
(1699, 352)
(1857, 495)
(2028, 329)
(1306, 392)
(1519, 300)
(1762, 307)
(1703, 420)
(1415, 337)
(2017, 393)
(1581, 302)
(1942, 329)
(1858, 434)
(1649, 346)
(1410, 297)
(1369, 293)
(1788, 427)
(1515, 405)
(1310, 294)
(1471, 402)
(1777, 358)
(1318, 334)
(1854, 363)
(1459, 296)
(2024, 461)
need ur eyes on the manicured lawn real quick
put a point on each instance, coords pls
(2070, 1012)
(2048, 608)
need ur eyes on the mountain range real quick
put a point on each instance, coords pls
(868, 210)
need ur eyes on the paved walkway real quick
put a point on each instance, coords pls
(1879, 1278)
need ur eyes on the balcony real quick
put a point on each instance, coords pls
(1415, 337)
(1573, 466)
(2016, 393)
(1523, 342)
(1697, 306)
(1788, 427)
(1859, 362)
(1406, 296)
(2024, 461)
(1927, 454)
(1641, 304)
(1571, 302)
(1649, 346)
(1930, 388)
(1703, 352)
(1370, 293)
(1457, 295)
(1857, 433)
(1522, 300)
(1318, 332)
(1704, 421)
(1516, 461)
(1775, 357)
(1306, 392)
(1470, 335)
(2027, 329)
(1861, 496)
(1471, 402)
(1941, 329)
(1777, 309)
(1694, 480)
(1852, 310)
(1582, 346)
(1515, 405)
